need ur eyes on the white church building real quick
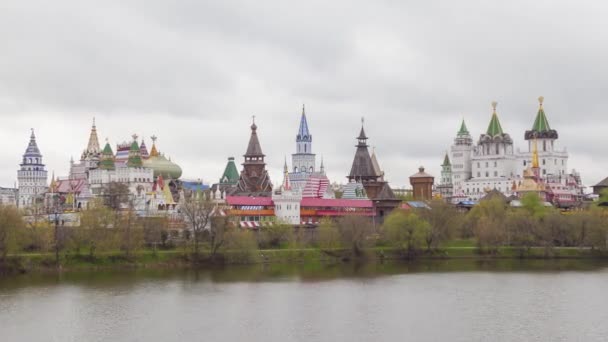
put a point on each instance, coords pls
(493, 163)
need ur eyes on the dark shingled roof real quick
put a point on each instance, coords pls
(603, 182)
(385, 193)
(254, 149)
(363, 167)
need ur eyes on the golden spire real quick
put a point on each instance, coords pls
(153, 151)
(494, 104)
(540, 100)
(535, 163)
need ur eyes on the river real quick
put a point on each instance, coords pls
(504, 300)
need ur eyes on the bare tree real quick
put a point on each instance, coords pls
(198, 209)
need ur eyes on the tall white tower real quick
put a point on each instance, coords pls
(32, 176)
(553, 161)
(303, 161)
(286, 201)
(461, 152)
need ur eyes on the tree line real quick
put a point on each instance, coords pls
(107, 227)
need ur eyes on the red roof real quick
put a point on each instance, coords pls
(328, 202)
(246, 200)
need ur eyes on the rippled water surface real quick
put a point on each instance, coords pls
(435, 301)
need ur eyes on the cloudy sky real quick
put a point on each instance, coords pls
(194, 73)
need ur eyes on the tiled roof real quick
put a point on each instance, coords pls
(343, 203)
(245, 200)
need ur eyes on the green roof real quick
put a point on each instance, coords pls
(541, 124)
(134, 146)
(231, 174)
(494, 128)
(108, 149)
(463, 129)
(446, 160)
(107, 158)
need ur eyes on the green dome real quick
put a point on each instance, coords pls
(163, 167)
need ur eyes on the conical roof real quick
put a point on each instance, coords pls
(107, 158)
(494, 128)
(541, 124)
(446, 160)
(375, 163)
(134, 154)
(143, 149)
(93, 145)
(463, 129)
(363, 167)
(32, 150)
(254, 149)
(231, 174)
(303, 132)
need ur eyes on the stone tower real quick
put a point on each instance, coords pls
(553, 162)
(445, 187)
(460, 153)
(32, 175)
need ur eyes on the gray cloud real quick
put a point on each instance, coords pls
(193, 73)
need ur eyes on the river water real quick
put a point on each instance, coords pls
(432, 301)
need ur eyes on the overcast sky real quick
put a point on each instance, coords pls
(194, 73)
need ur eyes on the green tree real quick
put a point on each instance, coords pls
(521, 228)
(276, 235)
(96, 233)
(328, 237)
(406, 231)
(10, 223)
(444, 220)
(532, 203)
(487, 220)
(241, 246)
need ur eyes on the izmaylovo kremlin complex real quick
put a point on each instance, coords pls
(471, 170)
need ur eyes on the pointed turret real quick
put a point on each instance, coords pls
(494, 128)
(322, 168)
(231, 174)
(446, 160)
(107, 158)
(254, 179)
(93, 145)
(153, 151)
(143, 149)
(32, 151)
(134, 154)
(463, 129)
(363, 167)
(254, 150)
(286, 185)
(303, 133)
(375, 163)
(541, 128)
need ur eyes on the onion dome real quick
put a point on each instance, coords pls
(161, 165)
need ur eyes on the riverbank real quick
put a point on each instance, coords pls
(148, 259)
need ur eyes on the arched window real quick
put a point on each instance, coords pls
(544, 145)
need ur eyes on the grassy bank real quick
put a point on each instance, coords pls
(44, 262)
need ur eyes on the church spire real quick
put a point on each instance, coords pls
(463, 129)
(93, 145)
(541, 124)
(494, 128)
(303, 132)
(254, 150)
